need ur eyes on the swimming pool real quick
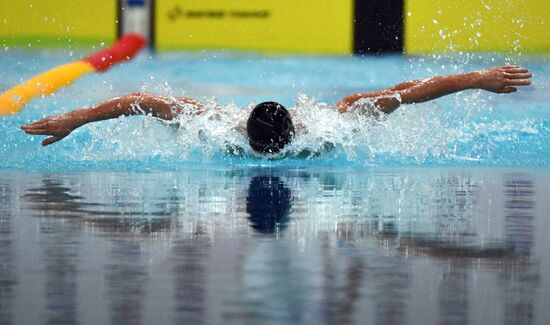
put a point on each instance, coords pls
(468, 129)
(438, 214)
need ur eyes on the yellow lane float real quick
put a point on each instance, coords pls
(14, 99)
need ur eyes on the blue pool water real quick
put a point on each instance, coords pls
(473, 128)
(436, 215)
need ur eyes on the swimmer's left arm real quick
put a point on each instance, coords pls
(61, 125)
(498, 80)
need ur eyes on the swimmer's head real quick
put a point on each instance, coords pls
(269, 127)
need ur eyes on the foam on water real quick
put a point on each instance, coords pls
(468, 129)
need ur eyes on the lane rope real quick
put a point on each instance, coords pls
(14, 99)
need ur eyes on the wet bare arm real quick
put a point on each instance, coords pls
(59, 126)
(498, 80)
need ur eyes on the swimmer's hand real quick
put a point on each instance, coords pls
(58, 126)
(502, 80)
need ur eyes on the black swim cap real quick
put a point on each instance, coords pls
(269, 127)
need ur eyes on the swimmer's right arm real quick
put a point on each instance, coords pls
(500, 80)
(59, 126)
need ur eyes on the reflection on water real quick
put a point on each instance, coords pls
(189, 257)
(268, 204)
(60, 245)
(275, 246)
(125, 278)
(520, 282)
(8, 279)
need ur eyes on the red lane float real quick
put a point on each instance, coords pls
(14, 99)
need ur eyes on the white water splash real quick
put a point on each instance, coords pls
(412, 133)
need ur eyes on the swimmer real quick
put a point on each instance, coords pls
(269, 126)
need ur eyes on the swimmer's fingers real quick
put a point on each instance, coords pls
(38, 124)
(35, 130)
(516, 70)
(518, 75)
(43, 124)
(519, 82)
(44, 128)
(51, 140)
(44, 131)
(512, 66)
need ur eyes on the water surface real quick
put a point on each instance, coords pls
(470, 129)
(264, 245)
